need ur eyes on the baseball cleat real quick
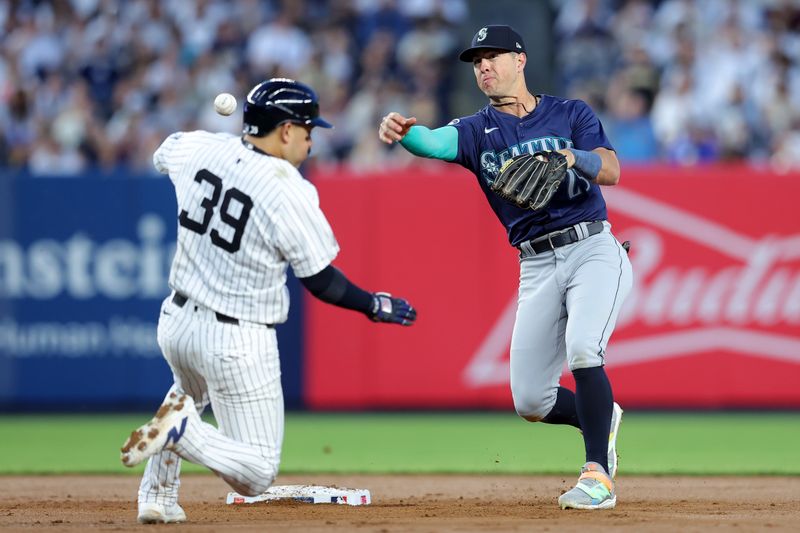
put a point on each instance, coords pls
(156, 513)
(162, 432)
(613, 458)
(595, 490)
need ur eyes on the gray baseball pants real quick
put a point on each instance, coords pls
(569, 301)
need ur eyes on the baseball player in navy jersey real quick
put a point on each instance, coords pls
(574, 275)
(245, 214)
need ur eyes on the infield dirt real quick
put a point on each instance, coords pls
(411, 503)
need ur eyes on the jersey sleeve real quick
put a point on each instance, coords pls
(180, 146)
(162, 157)
(587, 131)
(303, 234)
(467, 128)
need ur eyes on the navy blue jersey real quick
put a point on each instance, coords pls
(489, 137)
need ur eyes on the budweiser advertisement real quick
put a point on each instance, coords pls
(712, 321)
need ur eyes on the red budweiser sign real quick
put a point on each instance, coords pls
(712, 319)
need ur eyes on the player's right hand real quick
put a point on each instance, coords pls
(394, 127)
(386, 308)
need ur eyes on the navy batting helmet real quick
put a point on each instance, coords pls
(279, 100)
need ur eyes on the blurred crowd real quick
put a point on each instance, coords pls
(99, 83)
(688, 81)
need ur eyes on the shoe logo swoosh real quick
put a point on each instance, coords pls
(489, 130)
(175, 434)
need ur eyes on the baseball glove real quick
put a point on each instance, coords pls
(531, 180)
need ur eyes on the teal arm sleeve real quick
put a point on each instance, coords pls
(441, 143)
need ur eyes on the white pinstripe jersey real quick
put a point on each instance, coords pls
(243, 217)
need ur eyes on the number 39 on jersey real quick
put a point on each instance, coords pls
(200, 218)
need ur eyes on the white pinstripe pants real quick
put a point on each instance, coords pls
(235, 369)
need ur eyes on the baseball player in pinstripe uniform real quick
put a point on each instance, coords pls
(574, 275)
(245, 214)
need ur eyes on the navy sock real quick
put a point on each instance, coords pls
(563, 411)
(594, 404)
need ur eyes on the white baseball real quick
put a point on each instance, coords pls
(225, 103)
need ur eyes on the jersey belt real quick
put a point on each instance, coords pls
(180, 300)
(563, 237)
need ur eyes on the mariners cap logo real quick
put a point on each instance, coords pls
(498, 36)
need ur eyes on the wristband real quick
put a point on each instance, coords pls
(588, 163)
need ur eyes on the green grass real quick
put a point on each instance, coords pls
(662, 443)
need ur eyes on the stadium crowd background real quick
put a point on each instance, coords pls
(97, 84)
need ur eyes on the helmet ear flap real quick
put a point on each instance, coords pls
(258, 121)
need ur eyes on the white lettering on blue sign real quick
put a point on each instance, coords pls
(82, 268)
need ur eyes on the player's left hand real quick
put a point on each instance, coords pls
(569, 155)
(531, 180)
(386, 308)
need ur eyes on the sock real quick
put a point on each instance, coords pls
(563, 411)
(594, 404)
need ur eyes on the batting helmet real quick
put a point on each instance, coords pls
(279, 100)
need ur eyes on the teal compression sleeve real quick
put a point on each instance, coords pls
(441, 143)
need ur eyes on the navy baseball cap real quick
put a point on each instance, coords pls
(497, 36)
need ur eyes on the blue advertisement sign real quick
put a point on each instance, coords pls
(84, 265)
